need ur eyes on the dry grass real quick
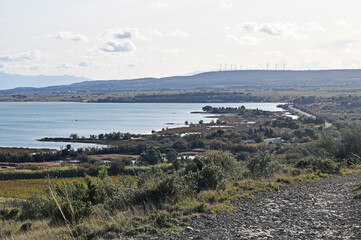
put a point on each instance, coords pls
(10, 230)
(28, 187)
(24, 150)
(148, 219)
(111, 157)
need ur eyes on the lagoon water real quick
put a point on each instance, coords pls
(21, 123)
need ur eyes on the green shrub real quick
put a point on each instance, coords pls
(262, 165)
(171, 155)
(102, 172)
(9, 213)
(138, 170)
(324, 164)
(327, 165)
(56, 172)
(151, 157)
(69, 202)
(26, 226)
(212, 170)
(72, 202)
(34, 208)
(116, 167)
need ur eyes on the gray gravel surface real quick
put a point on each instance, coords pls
(322, 209)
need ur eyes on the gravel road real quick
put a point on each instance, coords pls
(323, 209)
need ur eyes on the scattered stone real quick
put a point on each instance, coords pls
(323, 209)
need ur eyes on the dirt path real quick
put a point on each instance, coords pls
(323, 209)
(300, 112)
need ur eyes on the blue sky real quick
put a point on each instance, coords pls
(139, 38)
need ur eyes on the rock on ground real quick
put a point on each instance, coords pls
(322, 209)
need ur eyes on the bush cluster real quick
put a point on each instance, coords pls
(71, 202)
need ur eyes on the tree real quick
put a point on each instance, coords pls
(103, 173)
(207, 108)
(116, 167)
(181, 144)
(212, 170)
(151, 156)
(261, 165)
(127, 136)
(74, 136)
(171, 154)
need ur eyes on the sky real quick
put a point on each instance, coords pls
(124, 39)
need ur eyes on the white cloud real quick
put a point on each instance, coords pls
(120, 40)
(275, 29)
(27, 67)
(226, 28)
(160, 4)
(25, 56)
(85, 64)
(113, 46)
(122, 34)
(63, 66)
(244, 40)
(313, 65)
(34, 68)
(176, 33)
(219, 56)
(351, 64)
(311, 52)
(174, 51)
(314, 26)
(225, 5)
(155, 32)
(269, 53)
(126, 33)
(66, 35)
(345, 44)
(273, 53)
(343, 24)
(250, 27)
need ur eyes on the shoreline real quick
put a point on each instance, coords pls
(169, 127)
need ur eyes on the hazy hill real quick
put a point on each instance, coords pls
(216, 80)
(8, 81)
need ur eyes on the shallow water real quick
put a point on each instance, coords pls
(21, 123)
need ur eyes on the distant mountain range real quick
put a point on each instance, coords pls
(8, 81)
(211, 81)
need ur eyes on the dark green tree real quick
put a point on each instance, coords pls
(151, 157)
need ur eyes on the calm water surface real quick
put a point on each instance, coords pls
(21, 123)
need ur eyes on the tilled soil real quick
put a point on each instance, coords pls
(322, 209)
